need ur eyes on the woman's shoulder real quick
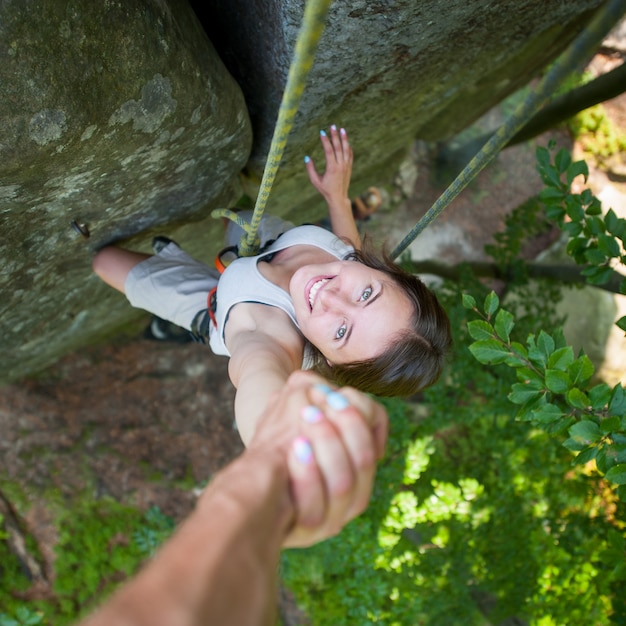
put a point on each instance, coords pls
(269, 322)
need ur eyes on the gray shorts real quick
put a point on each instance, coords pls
(174, 286)
(171, 285)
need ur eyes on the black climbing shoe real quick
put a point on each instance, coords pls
(160, 242)
(162, 330)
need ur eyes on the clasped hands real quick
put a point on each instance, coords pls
(331, 440)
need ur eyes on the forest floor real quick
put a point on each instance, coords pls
(147, 422)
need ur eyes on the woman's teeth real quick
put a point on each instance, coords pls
(314, 289)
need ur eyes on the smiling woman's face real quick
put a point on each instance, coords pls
(348, 310)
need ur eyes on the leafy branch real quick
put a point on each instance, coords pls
(554, 390)
(595, 241)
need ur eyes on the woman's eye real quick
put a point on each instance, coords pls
(341, 332)
(366, 294)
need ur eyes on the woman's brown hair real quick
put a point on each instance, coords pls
(415, 356)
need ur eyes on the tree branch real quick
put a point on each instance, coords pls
(565, 273)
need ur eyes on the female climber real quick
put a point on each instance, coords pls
(311, 299)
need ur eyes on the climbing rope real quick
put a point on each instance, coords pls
(310, 32)
(583, 46)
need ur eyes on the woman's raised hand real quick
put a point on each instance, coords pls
(333, 184)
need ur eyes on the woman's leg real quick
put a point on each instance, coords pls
(113, 264)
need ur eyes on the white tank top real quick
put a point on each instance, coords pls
(242, 281)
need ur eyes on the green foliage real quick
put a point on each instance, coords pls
(554, 391)
(101, 543)
(476, 517)
(23, 617)
(595, 241)
(491, 505)
(598, 136)
(157, 528)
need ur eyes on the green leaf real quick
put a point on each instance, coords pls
(577, 399)
(599, 275)
(492, 302)
(547, 413)
(521, 393)
(594, 224)
(551, 193)
(609, 245)
(519, 349)
(594, 209)
(526, 374)
(468, 301)
(573, 229)
(542, 155)
(586, 432)
(621, 323)
(489, 352)
(576, 246)
(556, 213)
(576, 169)
(562, 160)
(610, 424)
(595, 256)
(561, 359)
(574, 445)
(504, 324)
(617, 474)
(617, 404)
(480, 330)
(615, 225)
(545, 343)
(600, 396)
(573, 209)
(601, 461)
(581, 370)
(586, 455)
(557, 381)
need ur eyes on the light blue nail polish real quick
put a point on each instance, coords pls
(323, 133)
(311, 414)
(337, 401)
(303, 451)
(325, 389)
(307, 159)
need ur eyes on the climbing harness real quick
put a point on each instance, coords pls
(570, 60)
(310, 32)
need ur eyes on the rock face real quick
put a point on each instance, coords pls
(120, 117)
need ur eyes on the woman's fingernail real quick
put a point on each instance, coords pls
(323, 133)
(303, 451)
(333, 128)
(325, 389)
(337, 401)
(342, 131)
(312, 415)
(307, 159)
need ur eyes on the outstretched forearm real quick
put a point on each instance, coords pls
(342, 221)
(220, 566)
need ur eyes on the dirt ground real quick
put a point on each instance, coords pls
(145, 422)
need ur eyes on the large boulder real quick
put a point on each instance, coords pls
(121, 117)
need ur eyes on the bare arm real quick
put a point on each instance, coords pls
(262, 358)
(220, 566)
(335, 182)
